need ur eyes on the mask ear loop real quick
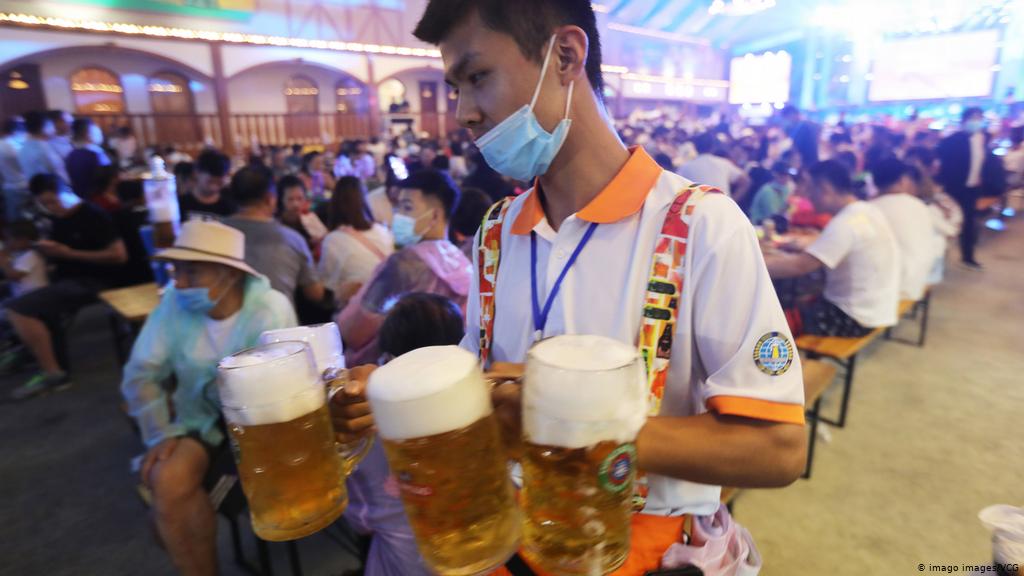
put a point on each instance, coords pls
(543, 71)
(568, 101)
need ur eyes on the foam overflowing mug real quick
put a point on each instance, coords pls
(275, 406)
(324, 341)
(584, 401)
(433, 413)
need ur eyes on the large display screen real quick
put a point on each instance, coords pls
(763, 78)
(932, 67)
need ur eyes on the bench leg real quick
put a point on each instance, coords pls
(814, 415)
(926, 307)
(293, 558)
(847, 388)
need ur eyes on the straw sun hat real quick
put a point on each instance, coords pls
(209, 241)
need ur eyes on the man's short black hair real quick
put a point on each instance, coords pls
(184, 170)
(80, 128)
(888, 172)
(35, 121)
(43, 183)
(213, 162)
(251, 185)
(436, 184)
(971, 112)
(704, 143)
(790, 111)
(780, 169)
(56, 115)
(529, 22)
(834, 173)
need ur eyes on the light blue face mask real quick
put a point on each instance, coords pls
(404, 229)
(197, 300)
(519, 147)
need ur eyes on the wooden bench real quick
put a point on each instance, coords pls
(844, 352)
(914, 309)
(818, 376)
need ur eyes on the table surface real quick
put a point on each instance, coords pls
(134, 303)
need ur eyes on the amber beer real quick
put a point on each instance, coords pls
(433, 412)
(584, 401)
(324, 341)
(276, 410)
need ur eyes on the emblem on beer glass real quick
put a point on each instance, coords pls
(433, 413)
(275, 406)
(584, 401)
(325, 342)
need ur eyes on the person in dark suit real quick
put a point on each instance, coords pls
(804, 133)
(969, 171)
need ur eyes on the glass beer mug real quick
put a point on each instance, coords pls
(325, 342)
(433, 413)
(275, 406)
(584, 401)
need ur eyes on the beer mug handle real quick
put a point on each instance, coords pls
(351, 452)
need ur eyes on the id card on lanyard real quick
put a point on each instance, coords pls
(540, 314)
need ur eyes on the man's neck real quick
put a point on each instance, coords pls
(230, 304)
(206, 200)
(590, 158)
(251, 213)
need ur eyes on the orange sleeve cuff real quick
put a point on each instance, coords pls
(757, 409)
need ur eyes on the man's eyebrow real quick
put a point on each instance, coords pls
(459, 70)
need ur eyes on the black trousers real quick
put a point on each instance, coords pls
(968, 200)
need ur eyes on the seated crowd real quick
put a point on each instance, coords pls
(379, 238)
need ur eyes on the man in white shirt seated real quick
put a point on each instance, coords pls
(861, 254)
(715, 171)
(911, 224)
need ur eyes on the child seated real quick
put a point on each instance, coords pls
(417, 320)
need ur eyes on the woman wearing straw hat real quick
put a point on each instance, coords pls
(216, 306)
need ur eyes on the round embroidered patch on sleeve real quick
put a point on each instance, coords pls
(773, 354)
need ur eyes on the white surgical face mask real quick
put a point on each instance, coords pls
(404, 229)
(519, 147)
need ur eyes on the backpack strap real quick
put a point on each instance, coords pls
(665, 289)
(489, 256)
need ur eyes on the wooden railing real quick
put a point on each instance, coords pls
(186, 132)
(190, 133)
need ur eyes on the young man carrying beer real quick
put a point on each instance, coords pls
(576, 256)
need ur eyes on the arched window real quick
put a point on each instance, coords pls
(97, 90)
(351, 97)
(169, 93)
(392, 95)
(302, 95)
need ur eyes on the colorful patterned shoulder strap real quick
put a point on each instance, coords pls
(665, 289)
(489, 256)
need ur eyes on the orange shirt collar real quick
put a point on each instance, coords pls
(622, 197)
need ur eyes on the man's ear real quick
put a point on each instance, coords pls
(571, 49)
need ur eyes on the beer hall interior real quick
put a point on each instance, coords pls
(915, 452)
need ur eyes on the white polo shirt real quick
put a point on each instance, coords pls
(863, 259)
(728, 306)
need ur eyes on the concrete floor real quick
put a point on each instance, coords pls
(933, 437)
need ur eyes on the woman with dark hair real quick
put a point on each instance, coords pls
(315, 176)
(295, 211)
(356, 246)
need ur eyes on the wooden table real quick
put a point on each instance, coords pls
(131, 305)
(135, 303)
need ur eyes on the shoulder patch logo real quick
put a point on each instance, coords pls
(773, 354)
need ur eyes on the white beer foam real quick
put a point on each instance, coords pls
(581, 390)
(426, 392)
(270, 384)
(323, 339)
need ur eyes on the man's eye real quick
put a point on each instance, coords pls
(476, 77)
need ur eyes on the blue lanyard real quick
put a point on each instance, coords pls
(540, 317)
